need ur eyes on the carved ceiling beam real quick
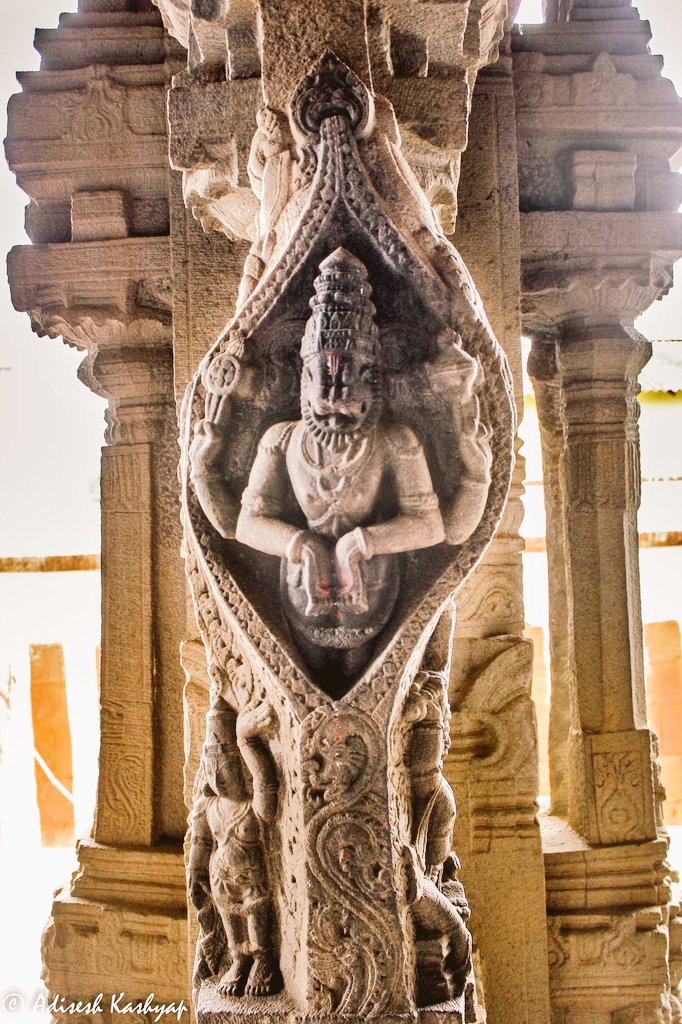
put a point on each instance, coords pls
(423, 58)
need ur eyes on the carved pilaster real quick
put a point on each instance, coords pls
(492, 766)
(546, 384)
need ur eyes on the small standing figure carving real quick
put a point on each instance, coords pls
(439, 906)
(337, 494)
(227, 872)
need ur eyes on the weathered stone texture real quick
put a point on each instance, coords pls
(597, 246)
(551, 170)
(87, 140)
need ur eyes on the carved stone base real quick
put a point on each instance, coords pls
(121, 926)
(614, 937)
(610, 968)
(212, 1008)
(616, 804)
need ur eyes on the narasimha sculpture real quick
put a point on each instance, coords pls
(339, 493)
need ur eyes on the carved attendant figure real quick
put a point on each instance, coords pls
(340, 492)
(439, 907)
(226, 867)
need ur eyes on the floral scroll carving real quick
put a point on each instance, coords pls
(347, 452)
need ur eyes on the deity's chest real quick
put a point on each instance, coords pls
(336, 491)
(232, 823)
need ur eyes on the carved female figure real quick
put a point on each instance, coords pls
(227, 868)
(439, 907)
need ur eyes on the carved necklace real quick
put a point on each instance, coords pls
(331, 469)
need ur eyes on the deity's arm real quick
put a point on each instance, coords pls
(457, 376)
(466, 509)
(200, 849)
(441, 825)
(251, 725)
(260, 524)
(418, 523)
(467, 505)
(207, 457)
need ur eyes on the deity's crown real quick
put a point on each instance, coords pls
(343, 315)
(220, 727)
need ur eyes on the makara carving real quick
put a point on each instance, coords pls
(347, 455)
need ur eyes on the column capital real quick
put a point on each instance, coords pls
(98, 293)
(608, 352)
(138, 383)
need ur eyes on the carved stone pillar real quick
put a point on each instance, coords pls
(612, 786)
(597, 127)
(426, 66)
(497, 835)
(326, 760)
(87, 140)
(544, 374)
(141, 417)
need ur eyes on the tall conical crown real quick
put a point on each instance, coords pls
(220, 727)
(343, 314)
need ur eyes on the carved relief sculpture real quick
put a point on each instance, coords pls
(227, 871)
(347, 455)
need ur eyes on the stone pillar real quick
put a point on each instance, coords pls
(426, 66)
(543, 372)
(540, 696)
(597, 127)
(52, 741)
(87, 139)
(135, 848)
(611, 796)
(586, 386)
(138, 384)
(497, 835)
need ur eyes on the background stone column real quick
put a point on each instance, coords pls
(597, 127)
(611, 796)
(545, 376)
(141, 417)
(87, 140)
